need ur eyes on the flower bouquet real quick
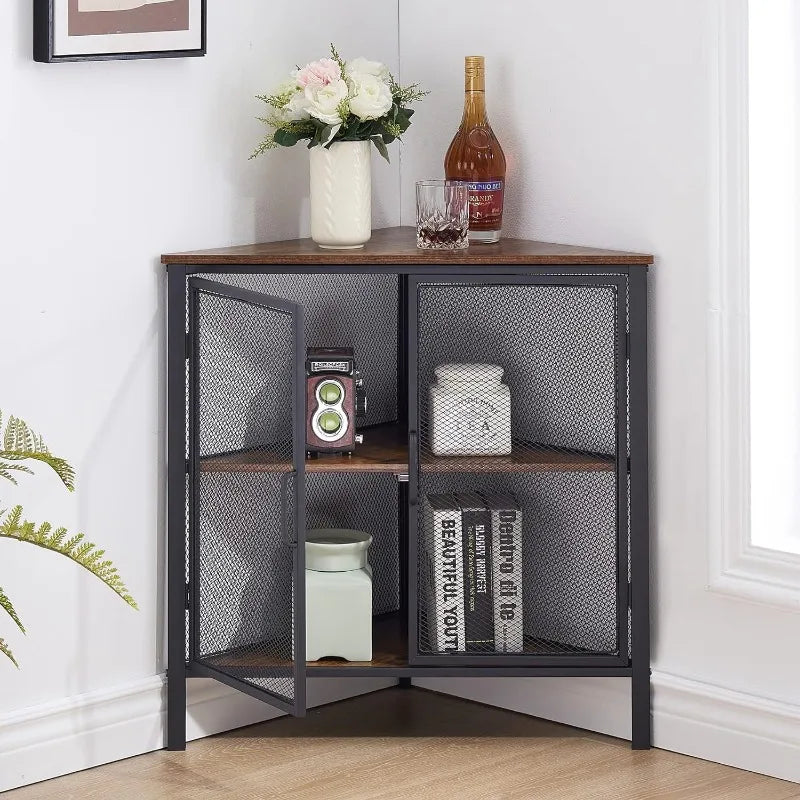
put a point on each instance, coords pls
(339, 107)
(331, 100)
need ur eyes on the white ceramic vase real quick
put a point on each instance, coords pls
(341, 195)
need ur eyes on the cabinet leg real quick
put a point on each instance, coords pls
(404, 683)
(640, 709)
(176, 515)
(176, 710)
(640, 522)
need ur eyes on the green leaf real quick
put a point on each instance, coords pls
(380, 146)
(20, 443)
(6, 651)
(76, 548)
(285, 138)
(326, 134)
(6, 604)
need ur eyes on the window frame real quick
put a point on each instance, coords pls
(737, 567)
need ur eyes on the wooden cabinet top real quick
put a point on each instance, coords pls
(398, 246)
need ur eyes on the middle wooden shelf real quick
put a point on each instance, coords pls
(385, 450)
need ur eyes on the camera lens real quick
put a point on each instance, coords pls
(330, 421)
(330, 393)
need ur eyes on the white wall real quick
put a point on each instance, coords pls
(606, 112)
(105, 166)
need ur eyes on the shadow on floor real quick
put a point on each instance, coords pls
(409, 712)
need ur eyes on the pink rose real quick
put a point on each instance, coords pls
(319, 73)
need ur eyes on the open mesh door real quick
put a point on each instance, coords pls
(246, 505)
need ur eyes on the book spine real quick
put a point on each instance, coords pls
(477, 559)
(507, 573)
(448, 612)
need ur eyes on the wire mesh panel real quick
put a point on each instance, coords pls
(517, 410)
(357, 310)
(245, 515)
(365, 502)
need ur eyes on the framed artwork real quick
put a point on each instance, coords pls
(95, 30)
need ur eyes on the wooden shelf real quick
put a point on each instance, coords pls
(523, 458)
(388, 651)
(385, 450)
(390, 656)
(398, 246)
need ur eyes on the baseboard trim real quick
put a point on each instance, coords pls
(96, 728)
(691, 717)
(730, 727)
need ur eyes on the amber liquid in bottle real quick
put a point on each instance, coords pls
(475, 155)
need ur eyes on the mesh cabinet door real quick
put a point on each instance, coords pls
(518, 470)
(246, 492)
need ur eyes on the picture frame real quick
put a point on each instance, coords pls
(103, 30)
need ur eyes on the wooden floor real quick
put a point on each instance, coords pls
(414, 745)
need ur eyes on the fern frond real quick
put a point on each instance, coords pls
(75, 548)
(6, 469)
(6, 651)
(20, 443)
(6, 604)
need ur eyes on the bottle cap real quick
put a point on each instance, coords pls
(474, 70)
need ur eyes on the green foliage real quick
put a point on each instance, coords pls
(7, 606)
(20, 443)
(405, 94)
(75, 547)
(337, 58)
(380, 132)
(6, 651)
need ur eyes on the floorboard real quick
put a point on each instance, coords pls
(403, 744)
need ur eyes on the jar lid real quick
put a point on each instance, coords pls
(336, 549)
(469, 373)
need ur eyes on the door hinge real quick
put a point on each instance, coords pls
(629, 595)
(628, 345)
(187, 345)
(188, 466)
(187, 596)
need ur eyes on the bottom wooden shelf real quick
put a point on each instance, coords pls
(390, 658)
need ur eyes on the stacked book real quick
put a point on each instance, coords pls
(473, 572)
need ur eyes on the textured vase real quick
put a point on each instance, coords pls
(341, 195)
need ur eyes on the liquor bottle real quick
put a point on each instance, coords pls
(475, 155)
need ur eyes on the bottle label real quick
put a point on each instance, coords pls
(486, 204)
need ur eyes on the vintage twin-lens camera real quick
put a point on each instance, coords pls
(334, 398)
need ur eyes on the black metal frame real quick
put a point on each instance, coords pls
(631, 349)
(44, 40)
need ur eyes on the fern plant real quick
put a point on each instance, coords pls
(21, 444)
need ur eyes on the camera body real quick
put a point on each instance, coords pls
(334, 399)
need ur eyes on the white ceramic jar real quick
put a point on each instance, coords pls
(338, 595)
(470, 411)
(341, 195)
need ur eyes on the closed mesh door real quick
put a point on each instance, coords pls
(246, 509)
(519, 407)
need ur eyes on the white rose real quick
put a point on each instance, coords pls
(296, 108)
(322, 101)
(371, 98)
(363, 66)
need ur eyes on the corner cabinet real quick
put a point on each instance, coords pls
(568, 326)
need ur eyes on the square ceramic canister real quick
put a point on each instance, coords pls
(470, 411)
(338, 595)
